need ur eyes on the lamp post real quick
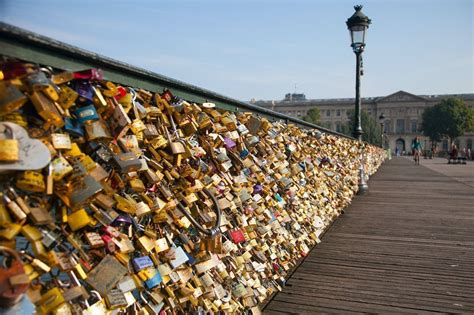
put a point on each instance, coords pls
(357, 24)
(382, 122)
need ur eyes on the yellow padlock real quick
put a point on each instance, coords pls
(74, 151)
(78, 219)
(50, 301)
(31, 181)
(9, 146)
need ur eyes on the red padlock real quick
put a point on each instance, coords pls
(237, 236)
(13, 280)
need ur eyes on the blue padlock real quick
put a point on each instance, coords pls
(141, 263)
(154, 281)
(86, 113)
(73, 127)
(244, 153)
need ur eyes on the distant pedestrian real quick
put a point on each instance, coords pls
(397, 151)
(416, 147)
(434, 150)
(454, 152)
(469, 154)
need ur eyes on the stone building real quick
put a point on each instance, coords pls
(402, 110)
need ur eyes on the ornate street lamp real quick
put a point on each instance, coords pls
(382, 123)
(357, 24)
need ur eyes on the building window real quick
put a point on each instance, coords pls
(400, 126)
(328, 113)
(413, 126)
(445, 145)
(338, 127)
(469, 144)
(386, 126)
(338, 112)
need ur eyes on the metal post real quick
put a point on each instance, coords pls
(382, 135)
(363, 187)
(357, 124)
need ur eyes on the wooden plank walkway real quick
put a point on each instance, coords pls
(406, 247)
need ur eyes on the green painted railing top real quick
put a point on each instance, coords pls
(31, 47)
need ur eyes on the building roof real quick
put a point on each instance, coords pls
(365, 100)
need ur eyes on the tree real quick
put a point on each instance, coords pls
(431, 122)
(451, 118)
(312, 116)
(372, 132)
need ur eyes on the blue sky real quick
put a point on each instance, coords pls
(261, 49)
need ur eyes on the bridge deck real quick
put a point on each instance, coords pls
(406, 247)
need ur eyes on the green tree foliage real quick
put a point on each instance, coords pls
(313, 115)
(451, 118)
(372, 132)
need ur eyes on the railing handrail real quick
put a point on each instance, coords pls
(32, 47)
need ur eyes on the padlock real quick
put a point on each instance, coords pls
(67, 97)
(86, 114)
(141, 209)
(86, 191)
(127, 162)
(60, 141)
(151, 305)
(78, 219)
(153, 280)
(9, 146)
(106, 274)
(46, 109)
(143, 262)
(63, 77)
(115, 299)
(97, 307)
(39, 82)
(60, 168)
(13, 279)
(38, 213)
(212, 244)
(31, 181)
(11, 98)
(73, 127)
(14, 208)
(97, 130)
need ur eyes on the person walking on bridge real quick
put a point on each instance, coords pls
(416, 147)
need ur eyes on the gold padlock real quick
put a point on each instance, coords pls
(11, 98)
(46, 109)
(67, 97)
(78, 219)
(9, 146)
(31, 181)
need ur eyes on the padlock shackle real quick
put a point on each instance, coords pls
(215, 230)
(11, 252)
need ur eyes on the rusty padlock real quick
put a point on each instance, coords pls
(13, 280)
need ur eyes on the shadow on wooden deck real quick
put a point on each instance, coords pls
(406, 247)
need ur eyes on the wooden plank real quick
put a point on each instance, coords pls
(408, 246)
